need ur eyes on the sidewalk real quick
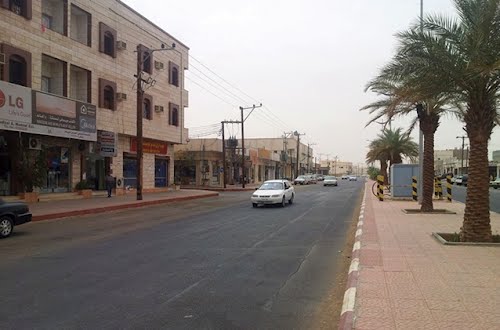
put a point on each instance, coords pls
(406, 279)
(99, 204)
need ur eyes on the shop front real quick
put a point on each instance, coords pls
(155, 164)
(39, 138)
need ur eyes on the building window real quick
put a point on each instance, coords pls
(17, 70)
(147, 59)
(17, 67)
(80, 84)
(56, 72)
(107, 40)
(146, 109)
(55, 15)
(173, 114)
(19, 7)
(107, 94)
(45, 84)
(173, 78)
(81, 24)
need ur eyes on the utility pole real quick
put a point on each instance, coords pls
(308, 156)
(224, 169)
(141, 58)
(463, 147)
(335, 167)
(253, 107)
(139, 138)
(297, 134)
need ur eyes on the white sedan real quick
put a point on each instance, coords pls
(330, 181)
(273, 192)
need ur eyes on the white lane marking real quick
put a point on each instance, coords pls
(354, 265)
(349, 299)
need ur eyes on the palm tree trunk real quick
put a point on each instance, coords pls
(428, 170)
(476, 226)
(383, 171)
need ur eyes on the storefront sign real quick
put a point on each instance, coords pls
(107, 143)
(149, 146)
(25, 110)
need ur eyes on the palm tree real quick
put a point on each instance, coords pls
(399, 99)
(460, 57)
(391, 146)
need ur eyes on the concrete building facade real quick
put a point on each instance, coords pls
(73, 64)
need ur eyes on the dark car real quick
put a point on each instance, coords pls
(12, 214)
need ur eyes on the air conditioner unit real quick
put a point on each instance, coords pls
(121, 96)
(2, 58)
(35, 144)
(159, 108)
(121, 45)
(119, 182)
(159, 65)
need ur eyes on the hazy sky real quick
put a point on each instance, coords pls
(306, 61)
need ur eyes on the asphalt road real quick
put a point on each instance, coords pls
(459, 193)
(207, 264)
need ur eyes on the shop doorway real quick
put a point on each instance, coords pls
(96, 171)
(57, 170)
(161, 173)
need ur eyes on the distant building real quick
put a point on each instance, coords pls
(496, 156)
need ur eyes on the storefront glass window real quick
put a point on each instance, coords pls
(160, 172)
(57, 170)
(130, 172)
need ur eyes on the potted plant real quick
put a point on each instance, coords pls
(84, 188)
(32, 172)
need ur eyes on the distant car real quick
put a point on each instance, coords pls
(12, 214)
(461, 180)
(330, 181)
(353, 178)
(312, 179)
(301, 179)
(345, 177)
(320, 177)
(495, 183)
(273, 192)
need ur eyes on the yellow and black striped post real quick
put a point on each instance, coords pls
(380, 187)
(440, 189)
(448, 188)
(414, 188)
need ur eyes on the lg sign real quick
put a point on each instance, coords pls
(13, 102)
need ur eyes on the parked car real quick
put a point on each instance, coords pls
(320, 177)
(12, 214)
(273, 192)
(330, 181)
(345, 177)
(461, 180)
(495, 183)
(312, 179)
(301, 179)
(353, 178)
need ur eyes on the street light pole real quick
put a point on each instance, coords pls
(463, 147)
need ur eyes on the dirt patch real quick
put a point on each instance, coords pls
(435, 211)
(328, 313)
(454, 239)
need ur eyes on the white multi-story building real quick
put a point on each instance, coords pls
(68, 85)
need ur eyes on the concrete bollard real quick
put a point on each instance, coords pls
(448, 188)
(380, 187)
(414, 188)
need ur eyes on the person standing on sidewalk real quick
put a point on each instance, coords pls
(110, 182)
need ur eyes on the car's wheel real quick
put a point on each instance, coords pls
(291, 199)
(495, 187)
(254, 204)
(283, 202)
(6, 226)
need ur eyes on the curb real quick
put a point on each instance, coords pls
(219, 189)
(347, 314)
(97, 210)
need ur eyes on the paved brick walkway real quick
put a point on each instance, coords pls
(408, 280)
